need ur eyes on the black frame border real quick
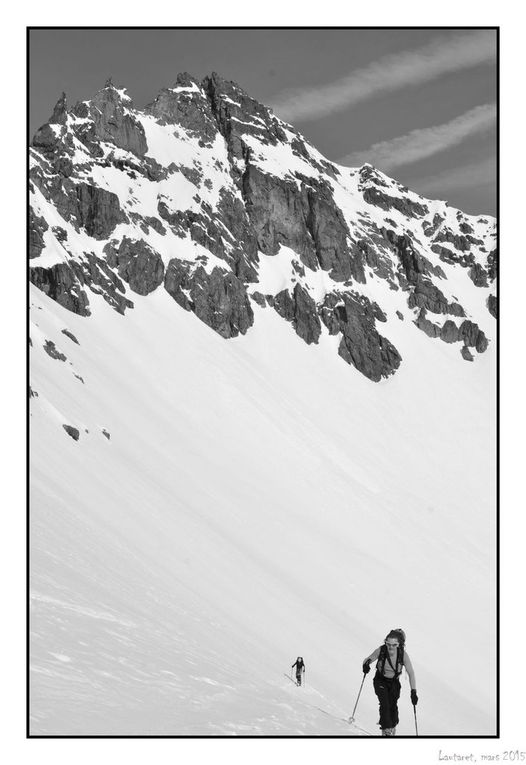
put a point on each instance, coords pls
(497, 28)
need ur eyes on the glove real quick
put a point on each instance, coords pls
(414, 697)
(366, 666)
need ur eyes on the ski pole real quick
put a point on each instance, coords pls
(351, 718)
(416, 724)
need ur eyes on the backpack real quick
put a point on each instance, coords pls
(384, 656)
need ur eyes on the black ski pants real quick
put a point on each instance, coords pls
(388, 692)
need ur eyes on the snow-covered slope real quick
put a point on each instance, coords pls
(221, 502)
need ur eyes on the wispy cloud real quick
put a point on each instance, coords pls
(475, 174)
(424, 142)
(392, 72)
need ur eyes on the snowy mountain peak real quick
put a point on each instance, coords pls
(251, 418)
(207, 194)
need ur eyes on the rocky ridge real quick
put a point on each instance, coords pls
(208, 195)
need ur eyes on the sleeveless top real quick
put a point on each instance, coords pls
(388, 672)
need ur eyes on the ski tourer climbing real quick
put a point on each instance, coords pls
(300, 669)
(390, 659)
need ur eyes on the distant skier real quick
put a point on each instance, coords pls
(392, 658)
(300, 669)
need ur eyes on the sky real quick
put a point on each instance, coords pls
(420, 104)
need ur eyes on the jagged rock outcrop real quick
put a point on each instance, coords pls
(218, 298)
(372, 188)
(37, 227)
(306, 219)
(427, 295)
(414, 264)
(493, 305)
(277, 212)
(138, 264)
(52, 350)
(224, 231)
(99, 210)
(236, 115)
(186, 105)
(473, 336)
(111, 120)
(62, 284)
(330, 235)
(427, 326)
(300, 309)
(102, 280)
(361, 344)
(468, 332)
(70, 335)
(211, 182)
(71, 431)
(478, 275)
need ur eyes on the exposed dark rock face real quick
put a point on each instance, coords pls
(459, 241)
(493, 306)
(62, 284)
(61, 234)
(306, 219)
(473, 336)
(219, 299)
(70, 335)
(240, 247)
(60, 113)
(36, 230)
(186, 105)
(330, 234)
(361, 344)
(99, 210)
(156, 224)
(300, 309)
(414, 264)
(427, 326)
(427, 295)
(277, 211)
(225, 232)
(373, 355)
(65, 283)
(466, 353)
(138, 264)
(71, 431)
(105, 433)
(372, 195)
(236, 114)
(51, 350)
(449, 332)
(228, 187)
(259, 298)
(478, 275)
(47, 138)
(429, 228)
(57, 190)
(492, 265)
(112, 122)
(103, 281)
(468, 332)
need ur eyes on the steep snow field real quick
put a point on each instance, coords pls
(258, 499)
